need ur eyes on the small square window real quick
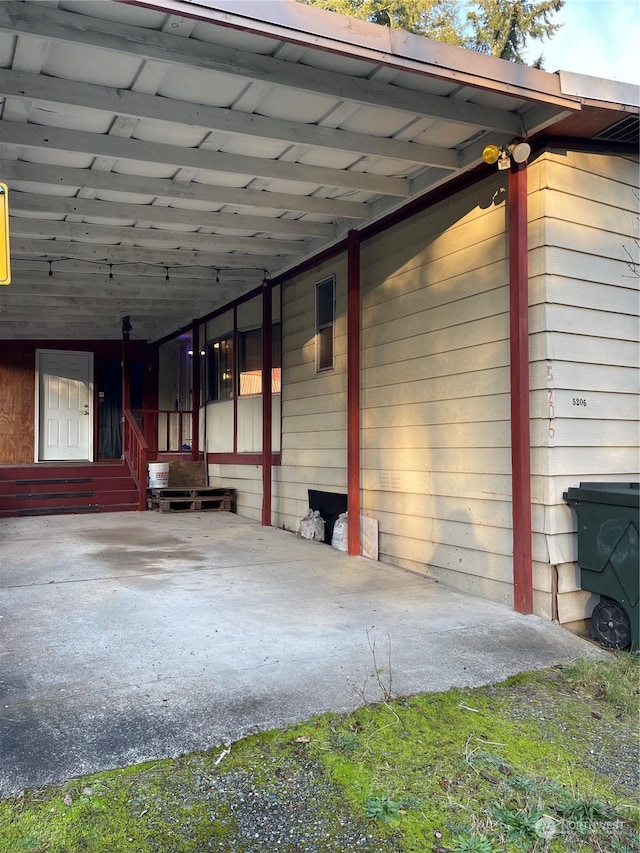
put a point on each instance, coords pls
(325, 322)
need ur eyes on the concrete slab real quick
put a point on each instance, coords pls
(132, 636)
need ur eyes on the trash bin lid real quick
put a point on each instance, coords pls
(617, 494)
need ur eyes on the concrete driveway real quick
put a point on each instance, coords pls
(131, 636)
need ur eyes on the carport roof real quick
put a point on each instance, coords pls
(164, 156)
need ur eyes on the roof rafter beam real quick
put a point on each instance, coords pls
(121, 148)
(91, 286)
(83, 329)
(155, 238)
(198, 276)
(23, 202)
(108, 254)
(153, 327)
(176, 50)
(20, 170)
(105, 305)
(122, 102)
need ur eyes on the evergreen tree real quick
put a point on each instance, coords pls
(500, 28)
(503, 27)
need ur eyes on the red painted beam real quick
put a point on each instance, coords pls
(236, 379)
(519, 351)
(353, 391)
(196, 363)
(267, 401)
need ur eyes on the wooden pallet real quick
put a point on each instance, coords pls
(189, 499)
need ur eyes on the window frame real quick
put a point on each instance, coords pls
(321, 328)
(243, 336)
(276, 358)
(224, 388)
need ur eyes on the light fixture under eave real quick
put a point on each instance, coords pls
(517, 152)
(520, 152)
(490, 154)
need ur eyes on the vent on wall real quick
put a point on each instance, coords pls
(627, 130)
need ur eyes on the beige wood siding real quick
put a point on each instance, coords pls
(435, 388)
(220, 427)
(247, 482)
(584, 346)
(314, 405)
(435, 392)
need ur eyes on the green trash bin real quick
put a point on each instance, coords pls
(608, 557)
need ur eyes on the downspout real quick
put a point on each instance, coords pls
(267, 343)
(519, 360)
(195, 391)
(353, 392)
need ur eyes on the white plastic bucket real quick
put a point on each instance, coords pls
(158, 475)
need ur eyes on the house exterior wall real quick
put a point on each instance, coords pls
(314, 405)
(435, 387)
(18, 388)
(435, 392)
(584, 322)
(17, 403)
(233, 428)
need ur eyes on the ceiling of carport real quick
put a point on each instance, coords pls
(163, 157)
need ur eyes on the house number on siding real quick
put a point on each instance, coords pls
(551, 402)
(579, 401)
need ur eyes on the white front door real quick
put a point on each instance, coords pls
(65, 405)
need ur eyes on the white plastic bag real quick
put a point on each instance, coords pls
(312, 526)
(340, 535)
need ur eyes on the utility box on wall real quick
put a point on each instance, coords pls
(608, 557)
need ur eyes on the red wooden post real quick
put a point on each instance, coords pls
(353, 391)
(519, 352)
(126, 397)
(195, 392)
(267, 343)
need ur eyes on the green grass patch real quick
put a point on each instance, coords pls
(541, 762)
(617, 685)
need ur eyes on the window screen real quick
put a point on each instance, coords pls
(325, 319)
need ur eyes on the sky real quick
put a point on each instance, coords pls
(598, 37)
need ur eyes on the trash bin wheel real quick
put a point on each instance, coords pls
(611, 624)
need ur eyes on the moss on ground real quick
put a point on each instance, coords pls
(538, 763)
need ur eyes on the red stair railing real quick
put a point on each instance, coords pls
(148, 432)
(166, 430)
(135, 450)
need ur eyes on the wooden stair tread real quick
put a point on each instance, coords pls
(61, 488)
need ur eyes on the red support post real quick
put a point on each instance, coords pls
(126, 394)
(353, 391)
(519, 359)
(267, 343)
(236, 379)
(195, 392)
